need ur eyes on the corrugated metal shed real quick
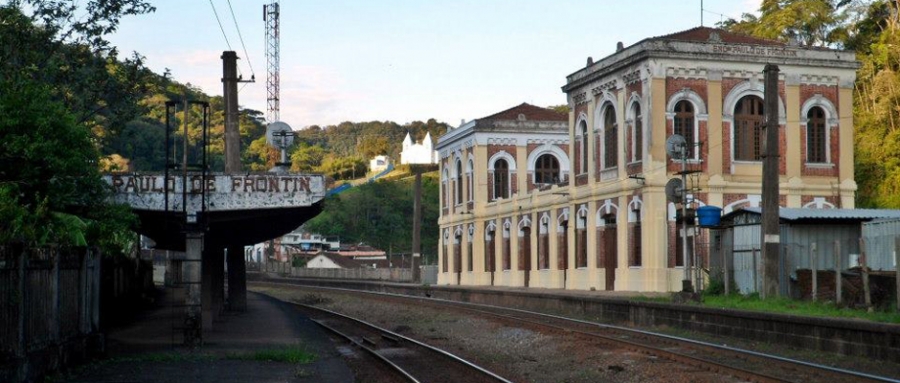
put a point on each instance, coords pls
(880, 236)
(796, 214)
(835, 233)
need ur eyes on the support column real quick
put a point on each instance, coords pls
(207, 289)
(193, 259)
(237, 279)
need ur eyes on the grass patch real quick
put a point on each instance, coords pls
(289, 354)
(164, 357)
(823, 309)
(789, 306)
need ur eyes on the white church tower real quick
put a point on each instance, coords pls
(418, 153)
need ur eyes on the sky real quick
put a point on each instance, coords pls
(403, 60)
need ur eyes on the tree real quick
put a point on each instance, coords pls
(58, 44)
(807, 22)
(373, 146)
(307, 159)
(50, 186)
(380, 214)
(877, 104)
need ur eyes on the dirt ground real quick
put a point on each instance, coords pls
(518, 354)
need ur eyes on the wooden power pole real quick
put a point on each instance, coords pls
(771, 241)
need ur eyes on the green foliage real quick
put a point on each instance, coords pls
(50, 186)
(380, 214)
(790, 306)
(368, 138)
(52, 45)
(370, 147)
(809, 22)
(307, 158)
(64, 91)
(877, 112)
(343, 168)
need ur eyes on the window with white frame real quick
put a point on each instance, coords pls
(683, 124)
(610, 138)
(637, 134)
(816, 136)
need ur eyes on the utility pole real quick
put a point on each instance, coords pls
(417, 225)
(771, 241)
(232, 127)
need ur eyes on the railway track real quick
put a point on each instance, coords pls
(414, 361)
(742, 364)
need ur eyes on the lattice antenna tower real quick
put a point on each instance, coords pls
(272, 16)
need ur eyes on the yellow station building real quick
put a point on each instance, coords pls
(531, 197)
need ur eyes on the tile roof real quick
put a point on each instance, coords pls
(701, 34)
(795, 214)
(531, 112)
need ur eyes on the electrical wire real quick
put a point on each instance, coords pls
(220, 27)
(246, 55)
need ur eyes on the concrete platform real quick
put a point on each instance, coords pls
(149, 350)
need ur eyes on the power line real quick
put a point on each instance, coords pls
(246, 55)
(220, 25)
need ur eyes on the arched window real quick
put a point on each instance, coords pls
(546, 169)
(445, 188)
(459, 182)
(684, 125)
(501, 179)
(638, 135)
(610, 139)
(749, 118)
(815, 136)
(584, 147)
(470, 166)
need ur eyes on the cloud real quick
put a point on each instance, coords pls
(315, 95)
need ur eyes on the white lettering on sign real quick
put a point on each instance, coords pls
(757, 51)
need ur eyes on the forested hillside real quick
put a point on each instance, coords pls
(872, 29)
(339, 151)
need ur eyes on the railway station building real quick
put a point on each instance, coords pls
(532, 197)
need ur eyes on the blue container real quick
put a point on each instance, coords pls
(709, 215)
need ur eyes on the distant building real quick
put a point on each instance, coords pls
(336, 260)
(418, 153)
(380, 163)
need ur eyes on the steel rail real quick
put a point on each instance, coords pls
(834, 370)
(370, 350)
(445, 353)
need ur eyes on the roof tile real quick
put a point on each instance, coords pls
(701, 34)
(531, 113)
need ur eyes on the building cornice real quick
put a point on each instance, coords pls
(709, 51)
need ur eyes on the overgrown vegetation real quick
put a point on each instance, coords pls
(64, 92)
